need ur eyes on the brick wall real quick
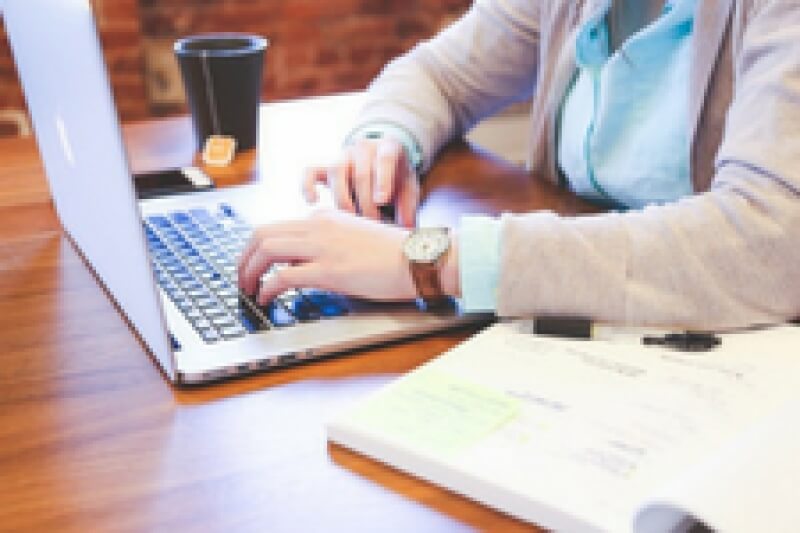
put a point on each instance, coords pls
(317, 46)
(119, 24)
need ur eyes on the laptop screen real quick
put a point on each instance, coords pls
(63, 74)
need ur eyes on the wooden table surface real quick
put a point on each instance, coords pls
(92, 438)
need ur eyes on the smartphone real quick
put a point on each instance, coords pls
(171, 181)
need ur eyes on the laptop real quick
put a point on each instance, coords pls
(169, 263)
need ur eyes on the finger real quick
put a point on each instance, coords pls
(408, 200)
(265, 253)
(292, 228)
(270, 252)
(388, 157)
(311, 179)
(340, 183)
(282, 279)
(363, 171)
(248, 250)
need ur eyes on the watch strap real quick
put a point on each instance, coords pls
(426, 278)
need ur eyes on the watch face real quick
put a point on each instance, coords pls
(426, 245)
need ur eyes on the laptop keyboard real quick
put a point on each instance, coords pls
(194, 256)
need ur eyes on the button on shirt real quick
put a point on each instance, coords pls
(622, 133)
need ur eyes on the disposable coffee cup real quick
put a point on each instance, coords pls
(222, 74)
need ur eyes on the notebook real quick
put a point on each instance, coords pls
(599, 435)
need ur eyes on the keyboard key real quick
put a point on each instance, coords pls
(217, 284)
(209, 303)
(175, 293)
(278, 314)
(193, 315)
(202, 323)
(213, 312)
(203, 272)
(199, 294)
(184, 304)
(159, 221)
(170, 261)
(179, 217)
(192, 285)
(250, 324)
(233, 332)
(201, 215)
(227, 292)
(329, 304)
(175, 269)
(303, 309)
(209, 335)
(224, 321)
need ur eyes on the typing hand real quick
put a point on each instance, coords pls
(371, 173)
(332, 251)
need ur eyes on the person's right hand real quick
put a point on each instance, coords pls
(371, 173)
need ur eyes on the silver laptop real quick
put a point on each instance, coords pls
(168, 262)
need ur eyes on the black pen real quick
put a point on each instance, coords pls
(687, 341)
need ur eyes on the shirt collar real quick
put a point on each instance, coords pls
(592, 42)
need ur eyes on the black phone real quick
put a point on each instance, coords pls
(171, 181)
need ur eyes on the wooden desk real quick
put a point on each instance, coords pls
(93, 439)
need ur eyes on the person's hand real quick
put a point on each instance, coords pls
(332, 251)
(371, 173)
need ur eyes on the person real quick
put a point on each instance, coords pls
(682, 116)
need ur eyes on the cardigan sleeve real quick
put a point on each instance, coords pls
(482, 62)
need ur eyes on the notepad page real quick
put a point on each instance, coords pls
(748, 485)
(569, 434)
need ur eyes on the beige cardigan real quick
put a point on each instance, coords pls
(728, 256)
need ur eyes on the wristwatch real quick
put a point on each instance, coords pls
(425, 249)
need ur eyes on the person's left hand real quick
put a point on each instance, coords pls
(331, 250)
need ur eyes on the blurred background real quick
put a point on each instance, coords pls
(316, 47)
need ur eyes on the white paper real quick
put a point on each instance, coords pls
(598, 426)
(751, 484)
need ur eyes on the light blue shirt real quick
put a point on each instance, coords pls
(622, 133)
